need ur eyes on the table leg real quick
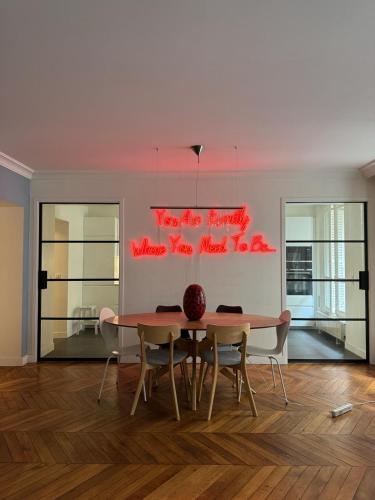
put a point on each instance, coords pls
(194, 372)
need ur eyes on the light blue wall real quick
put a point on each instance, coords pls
(16, 189)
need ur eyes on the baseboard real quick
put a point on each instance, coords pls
(47, 349)
(355, 350)
(60, 335)
(14, 360)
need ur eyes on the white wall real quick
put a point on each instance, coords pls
(299, 225)
(254, 281)
(99, 293)
(74, 216)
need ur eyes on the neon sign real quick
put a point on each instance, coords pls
(210, 244)
(239, 218)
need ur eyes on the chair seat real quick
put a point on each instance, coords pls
(260, 351)
(161, 356)
(226, 358)
(226, 347)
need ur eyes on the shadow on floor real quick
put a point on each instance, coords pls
(84, 345)
(315, 344)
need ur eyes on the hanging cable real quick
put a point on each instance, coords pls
(196, 182)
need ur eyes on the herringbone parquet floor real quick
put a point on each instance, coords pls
(57, 442)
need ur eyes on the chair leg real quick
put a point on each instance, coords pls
(144, 392)
(249, 392)
(237, 385)
(141, 383)
(156, 377)
(185, 377)
(240, 385)
(273, 372)
(174, 394)
(104, 376)
(213, 389)
(202, 375)
(282, 381)
(150, 384)
(240, 389)
(187, 372)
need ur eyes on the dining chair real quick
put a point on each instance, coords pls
(234, 359)
(111, 341)
(222, 308)
(231, 310)
(183, 344)
(281, 334)
(176, 308)
(154, 359)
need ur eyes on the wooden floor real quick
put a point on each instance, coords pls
(56, 442)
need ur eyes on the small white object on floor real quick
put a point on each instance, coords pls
(340, 410)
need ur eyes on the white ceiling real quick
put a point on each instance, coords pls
(98, 84)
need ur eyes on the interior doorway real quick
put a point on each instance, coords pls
(78, 275)
(327, 281)
(11, 283)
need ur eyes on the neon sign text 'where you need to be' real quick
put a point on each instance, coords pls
(239, 241)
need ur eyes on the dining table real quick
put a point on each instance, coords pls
(192, 345)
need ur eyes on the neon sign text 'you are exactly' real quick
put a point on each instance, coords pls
(236, 237)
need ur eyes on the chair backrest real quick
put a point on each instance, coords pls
(158, 334)
(168, 309)
(172, 309)
(109, 332)
(228, 334)
(229, 309)
(282, 330)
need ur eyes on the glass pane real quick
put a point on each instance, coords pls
(341, 340)
(325, 260)
(80, 260)
(325, 299)
(324, 221)
(78, 299)
(71, 339)
(92, 222)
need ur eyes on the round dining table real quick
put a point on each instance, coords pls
(168, 318)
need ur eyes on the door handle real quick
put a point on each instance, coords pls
(43, 280)
(363, 280)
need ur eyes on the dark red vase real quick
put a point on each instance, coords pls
(194, 302)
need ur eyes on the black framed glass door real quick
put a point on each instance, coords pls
(327, 281)
(78, 275)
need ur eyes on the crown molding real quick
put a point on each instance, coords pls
(368, 170)
(15, 166)
(118, 175)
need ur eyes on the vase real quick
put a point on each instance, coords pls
(194, 302)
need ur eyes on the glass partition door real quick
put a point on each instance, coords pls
(327, 281)
(78, 275)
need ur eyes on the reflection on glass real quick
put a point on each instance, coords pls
(336, 340)
(80, 260)
(80, 222)
(329, 300)
(76, 298)
(84, 248)
(324, 221)
(325, 260)
(71, 339)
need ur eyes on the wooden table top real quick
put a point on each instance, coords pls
(132, 320)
